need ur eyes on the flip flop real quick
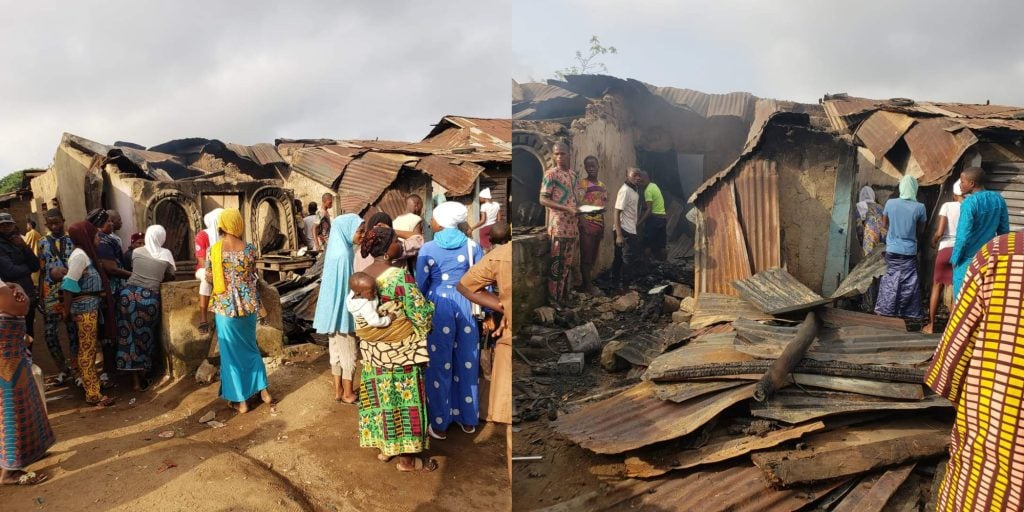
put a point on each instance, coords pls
(29, 478)
(435, 435)
(469, 430)
(346, 402)
(426, 467)
(104, 402)
(384, 458)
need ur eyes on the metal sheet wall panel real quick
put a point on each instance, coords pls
(757, 195)
(726, 258)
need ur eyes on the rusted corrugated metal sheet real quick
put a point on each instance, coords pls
(636, 418)
(366, 177)
(936, 149)
(776, 291)
(735, 104)
(735, 488)
(757, 196)
(862, 275)
(795, 406)
(455, 175)
(266, 154)
(712, 308)
(320, 164)
(539, 92)
(726, 249)
(842, 112)
(882, 130)
(836, 317)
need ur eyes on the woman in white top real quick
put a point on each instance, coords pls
(944, 240)
(488, 216)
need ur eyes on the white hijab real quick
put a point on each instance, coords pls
(156, 235)
(449, 214)
(867, 195)
(210, 219)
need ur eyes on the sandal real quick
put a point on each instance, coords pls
(419, 465)
(103, 402)
(384, 458)
(29, 478)
(435, 435)
(469, 430)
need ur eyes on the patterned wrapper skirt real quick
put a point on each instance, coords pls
(25, 432)
(392, 414)
(899, 293)
(138, 321)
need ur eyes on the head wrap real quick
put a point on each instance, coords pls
(53, 213)
(485, 193)
(867, 195)
(908, 188)
(156, 235)
(98, 217)
(136, 237)
(957, 189)
(449, 214)
(230, 221)
(332, 315)
(83, 235)
(376, 241)
(210, 221)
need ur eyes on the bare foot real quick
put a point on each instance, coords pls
(928, 329)
(265, 396)
(350, 399)
(241, 407)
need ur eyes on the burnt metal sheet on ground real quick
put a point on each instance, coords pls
(879, 489)
(735, 488)
(862, 275)
(454, 175)
(636, 418)
(682, 391)
(835, 317)
(880, 132)
(936, 149)
(714, 348)
(720, 447)
(776, 291)
(797, 406)
(858, 344)
(641, 349)
(713, 308)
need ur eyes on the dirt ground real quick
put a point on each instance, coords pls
(302, 454)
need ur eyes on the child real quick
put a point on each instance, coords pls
(362, 301)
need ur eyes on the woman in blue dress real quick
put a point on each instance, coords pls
(454, 341)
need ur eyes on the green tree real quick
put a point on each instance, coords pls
(11, 182)
(586, 64)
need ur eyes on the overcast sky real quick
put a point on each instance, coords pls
(244, 71)
(939, 50)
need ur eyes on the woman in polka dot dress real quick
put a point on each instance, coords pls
(454, 342)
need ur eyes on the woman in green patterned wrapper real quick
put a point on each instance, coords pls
(392, 407)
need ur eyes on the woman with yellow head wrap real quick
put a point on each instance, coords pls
(231, 268)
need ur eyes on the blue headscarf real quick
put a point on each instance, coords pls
(331, 314)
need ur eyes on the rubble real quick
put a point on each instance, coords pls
(207, 373)
(626, 303)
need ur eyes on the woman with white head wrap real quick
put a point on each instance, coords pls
(489, 211)
(138, 307)
(869, 216)
(204, 240)
(944, 240)
(453, 343)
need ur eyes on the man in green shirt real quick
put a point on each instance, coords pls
(653, 218)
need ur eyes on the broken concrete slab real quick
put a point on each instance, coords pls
(680, 291)
(584, 338)
(853, 450)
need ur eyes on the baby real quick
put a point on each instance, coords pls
(362, 301)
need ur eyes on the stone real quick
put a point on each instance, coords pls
(610, 360)
(584, 338)
(545, 315)
(608, 316)
(688, 305)
(570, 363)
(627, 302)
(669, 304)
(207, 373)
(681, 317)
(605, 307)
(210, 416)
(681, 291)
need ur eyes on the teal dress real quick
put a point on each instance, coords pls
(983, 216)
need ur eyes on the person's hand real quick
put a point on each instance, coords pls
(501, 327)
(619, 240)
(19, 292)
(393, 316)
(489, 324)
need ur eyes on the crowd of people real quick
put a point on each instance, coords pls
(576, 224)
(413, 325)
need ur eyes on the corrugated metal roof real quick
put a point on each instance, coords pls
(636, 418)
(843, 111)
(797, 405)
(936, 149)
(735, 104)
(735, 488)
(454, 175)
(366, 177)
(712, 308)
(322, 165)
(776, 291)
(882, 130)
(757, 195)
(539, 92)
(266, 154)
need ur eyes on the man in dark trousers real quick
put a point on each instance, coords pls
(18, 263)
